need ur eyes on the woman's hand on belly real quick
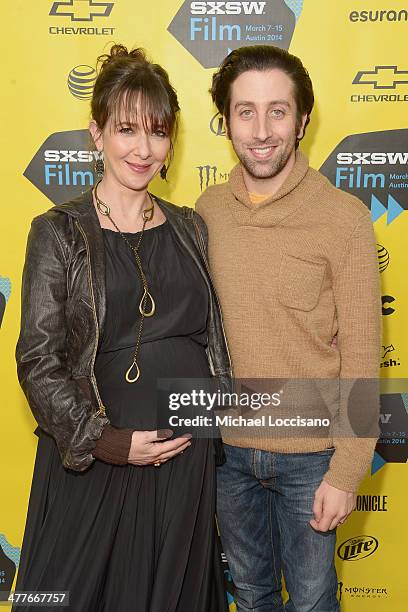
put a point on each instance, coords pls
(153, 447)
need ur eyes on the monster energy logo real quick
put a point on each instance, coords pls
(208, 175)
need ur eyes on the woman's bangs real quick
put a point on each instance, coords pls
(147, 108)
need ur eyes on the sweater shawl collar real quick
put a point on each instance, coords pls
(276, 208)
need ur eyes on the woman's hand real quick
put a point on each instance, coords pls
(150, 447)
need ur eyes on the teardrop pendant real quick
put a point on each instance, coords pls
(128, 373)
(142, 306)
(103, 208)
(148, 213)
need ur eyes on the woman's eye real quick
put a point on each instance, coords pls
(125, 130)
(160, 133)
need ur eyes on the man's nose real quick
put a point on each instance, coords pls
(261, 127)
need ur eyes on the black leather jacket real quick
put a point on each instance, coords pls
(63, 314)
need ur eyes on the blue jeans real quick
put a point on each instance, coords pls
(264, 506)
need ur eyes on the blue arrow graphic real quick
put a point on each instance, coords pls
(377, 463)
(394, 209)
(377, 208)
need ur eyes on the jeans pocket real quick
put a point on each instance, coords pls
(326, 451)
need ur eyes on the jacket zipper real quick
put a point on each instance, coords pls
(102, 410)
(202, 249)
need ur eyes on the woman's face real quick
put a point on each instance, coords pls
(133, 154)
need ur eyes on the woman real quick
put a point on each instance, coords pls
(116, 294)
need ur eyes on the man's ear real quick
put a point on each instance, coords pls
(96, 134)
(301, 130)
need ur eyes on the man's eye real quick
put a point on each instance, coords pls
(277, 113)
(246, 113)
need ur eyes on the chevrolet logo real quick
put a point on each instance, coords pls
(81, 10)
(383, 77)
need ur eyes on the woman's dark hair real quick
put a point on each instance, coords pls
(129, 83)
(262, 57)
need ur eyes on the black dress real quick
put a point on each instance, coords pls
(130, 538)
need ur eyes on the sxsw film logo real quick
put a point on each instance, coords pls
(210, 175)
(211, 30)
(389, 357)
(374, 167)
(80, 14)
(228, 583)
(63, 166)
(381, 78)
(392, 446)
(9, 562)
(5, 291)
(357, 548)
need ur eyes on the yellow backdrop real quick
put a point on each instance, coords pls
(356, 56)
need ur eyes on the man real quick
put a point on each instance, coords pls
(294, 264)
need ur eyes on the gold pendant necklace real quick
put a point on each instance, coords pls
(147, 297)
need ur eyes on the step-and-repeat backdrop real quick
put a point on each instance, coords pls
(355, 52)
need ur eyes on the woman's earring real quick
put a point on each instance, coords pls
(99, 167)
(163, 172)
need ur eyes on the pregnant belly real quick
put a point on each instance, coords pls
(142, 405)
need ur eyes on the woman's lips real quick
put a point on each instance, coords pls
(139, 168)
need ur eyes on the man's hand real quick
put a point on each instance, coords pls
(331, 507)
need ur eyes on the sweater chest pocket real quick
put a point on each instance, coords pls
(300, 282)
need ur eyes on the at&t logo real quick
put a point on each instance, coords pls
(81, 81)
(357, 548)
(383, 257)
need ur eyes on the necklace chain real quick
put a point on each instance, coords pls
(148, 214)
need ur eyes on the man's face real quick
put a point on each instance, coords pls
(263, 122)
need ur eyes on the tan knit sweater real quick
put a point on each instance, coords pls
(291, 273)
